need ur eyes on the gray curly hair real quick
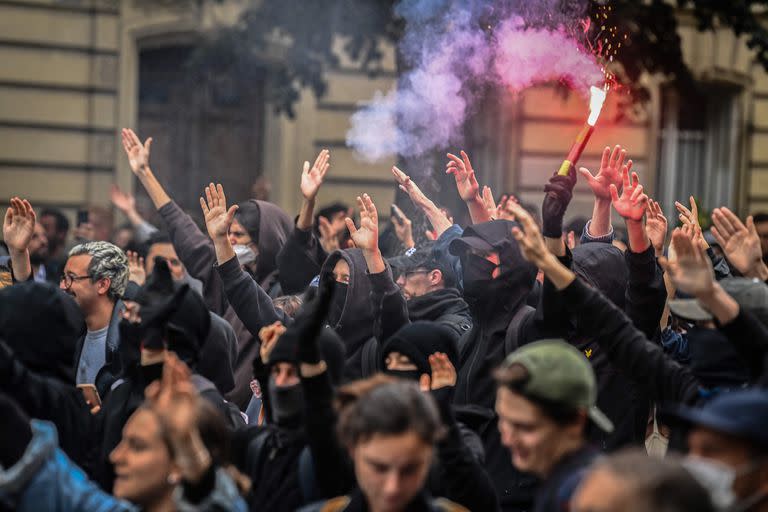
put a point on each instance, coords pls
(108, 262)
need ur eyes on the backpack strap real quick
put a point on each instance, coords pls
(512, 338)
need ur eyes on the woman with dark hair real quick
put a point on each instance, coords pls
(389, 428)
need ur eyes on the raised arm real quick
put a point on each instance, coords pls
(599, 227)
(18, 228)
(435, 215)
(557, 196)
(126, 203)
(252, 304)
(631, 205)
(311, 179)
(466, 184)
(626, 347)
(138, 158)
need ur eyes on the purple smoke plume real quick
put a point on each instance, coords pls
(453, 55)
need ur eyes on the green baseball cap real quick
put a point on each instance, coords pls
(559, 373)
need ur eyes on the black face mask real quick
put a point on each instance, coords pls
(477, 275)
(412, 375)
(286, 403)
(337, 304)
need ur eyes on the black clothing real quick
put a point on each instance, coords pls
(300, 261)
(356, 502)
(195, 250)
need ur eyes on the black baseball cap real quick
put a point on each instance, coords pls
(415, 258)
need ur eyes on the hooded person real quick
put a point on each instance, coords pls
(260, 230)
(350, 313)
(271, 455)
(497, 281)
(39, 328)
(41, 324)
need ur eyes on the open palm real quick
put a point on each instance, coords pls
(610, 173)
(740, 243)
(217, 218)
(138, 153)
(692, 272)
(19, 224)
(632, 203)
(312, 178)
(366, 237)
(466, 182)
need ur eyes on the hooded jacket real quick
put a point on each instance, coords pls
(42, 325)
(355, 322)
(482, 349)
(300, 260)
(195, 250)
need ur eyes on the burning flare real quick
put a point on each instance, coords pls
(595, 106)
(596, 103)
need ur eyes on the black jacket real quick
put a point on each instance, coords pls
(300, 260)
(195, 250)
(634, 283)
(391, 311)
(355, 323)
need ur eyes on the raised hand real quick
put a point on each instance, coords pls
(138, 153)
(502, 210)
(464, 174)
(367, 236)
(691, 217)
(610, 173)
(632, 203)
(489, 202)
(443, 373)
(217, 218)
(175, 401)
(408, 186)
(268, 336)
(692, 272)
(403, 227)
(656, 226)
(529, 238)
(312, 178)
(740, 243)
(19, 225)
(123, 201)
(136, 272)
(329, 239)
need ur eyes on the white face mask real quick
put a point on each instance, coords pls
(245, 254)
(714, 476)
(718, 479)
(656, 444)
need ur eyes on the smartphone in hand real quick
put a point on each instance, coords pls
(91, 395)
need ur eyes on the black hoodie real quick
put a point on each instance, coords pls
(195, 250)
(355, 323)
(483, 350)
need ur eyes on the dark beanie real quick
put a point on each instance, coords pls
(418, 341)
(249, 215)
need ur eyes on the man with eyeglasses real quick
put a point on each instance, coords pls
(423, 291)
(96, 275)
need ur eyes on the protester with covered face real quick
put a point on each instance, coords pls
(257, 232)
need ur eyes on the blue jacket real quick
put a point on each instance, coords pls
(45, 479)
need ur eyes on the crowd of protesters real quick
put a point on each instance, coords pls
(318, 364)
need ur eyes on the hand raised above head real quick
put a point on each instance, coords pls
(217, 218)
